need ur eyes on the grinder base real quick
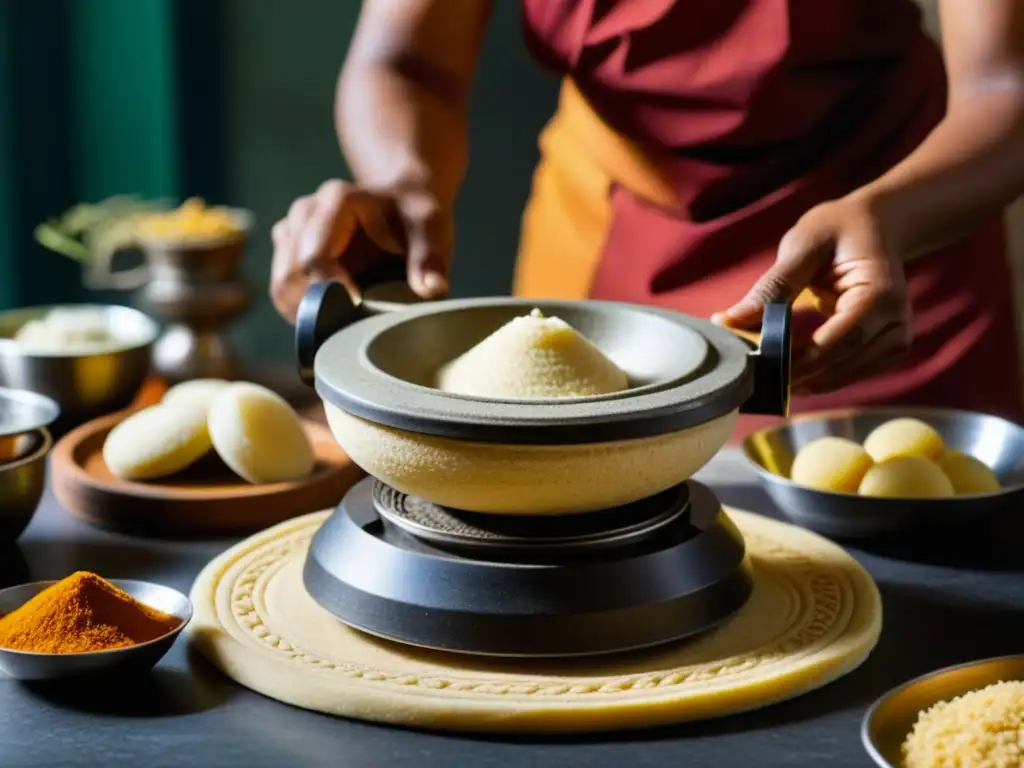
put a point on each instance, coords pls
(686, 577)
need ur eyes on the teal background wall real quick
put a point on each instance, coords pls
(230, 100)
(123, 116)
(35, 151)
(87, 110)
(7, 170)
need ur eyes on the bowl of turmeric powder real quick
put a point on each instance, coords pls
(85, 625)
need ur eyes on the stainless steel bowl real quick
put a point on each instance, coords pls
(22, 482)
(995, 441)
(84, 386)
(21, 413)
(890, 719)
(23, 665)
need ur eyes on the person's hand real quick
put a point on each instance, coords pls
(839, 252)
(342, 230)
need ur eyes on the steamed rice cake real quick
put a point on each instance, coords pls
(533, 357)
(156, 442)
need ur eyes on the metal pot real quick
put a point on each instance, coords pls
(195, 286)
(25, 443)
(373, 367)
(88, 384)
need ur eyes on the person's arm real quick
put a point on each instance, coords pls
(851, 252)
(400, 114)
(972, 165)
(401, 103)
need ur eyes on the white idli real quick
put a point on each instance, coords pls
(200, 392)
(156, 442)
(258, 435)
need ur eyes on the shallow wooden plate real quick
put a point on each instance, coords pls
(207, 499)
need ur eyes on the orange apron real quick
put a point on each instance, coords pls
(568, 214)
(566, 219)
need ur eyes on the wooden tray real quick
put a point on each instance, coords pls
(205, 500)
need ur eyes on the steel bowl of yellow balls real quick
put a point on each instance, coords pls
(873, 472)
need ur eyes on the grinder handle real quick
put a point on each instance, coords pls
(771, 363)
(327, 307)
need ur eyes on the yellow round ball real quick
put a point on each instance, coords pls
(968, 474)
(156, 442)
(906, 477)
(903, 437)
(830, 464)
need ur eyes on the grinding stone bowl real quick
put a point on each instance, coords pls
(119, 662)
(997, 442)
(85, 386)
(689, 380)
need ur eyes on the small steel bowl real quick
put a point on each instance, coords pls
(995, 441)
(135, 659)
(22, 482)
(84, 386)
(14, 447)
(891, 718)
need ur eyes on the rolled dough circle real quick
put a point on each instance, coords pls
(814, 615)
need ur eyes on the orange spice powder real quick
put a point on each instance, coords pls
(79, 614)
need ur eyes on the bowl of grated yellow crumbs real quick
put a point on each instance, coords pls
(968, 715)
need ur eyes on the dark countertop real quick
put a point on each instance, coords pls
(967, 603)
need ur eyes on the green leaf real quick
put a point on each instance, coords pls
(50, 235)
(87, 231)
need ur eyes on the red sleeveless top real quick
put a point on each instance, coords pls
(767, 108)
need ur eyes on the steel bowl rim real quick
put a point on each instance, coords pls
(41, 400)
(10, 346)
(189, 613)
(40, 453)
(639, 412)
(771, 477)
(878, 703)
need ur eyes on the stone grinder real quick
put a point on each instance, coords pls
(531, 527)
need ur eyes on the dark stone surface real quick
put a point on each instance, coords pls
(945, 602)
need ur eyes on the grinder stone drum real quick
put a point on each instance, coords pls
(631, 555)
(689, 381)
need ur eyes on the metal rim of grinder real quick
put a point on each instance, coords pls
(344, 349)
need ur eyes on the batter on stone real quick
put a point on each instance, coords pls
(533, 357)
